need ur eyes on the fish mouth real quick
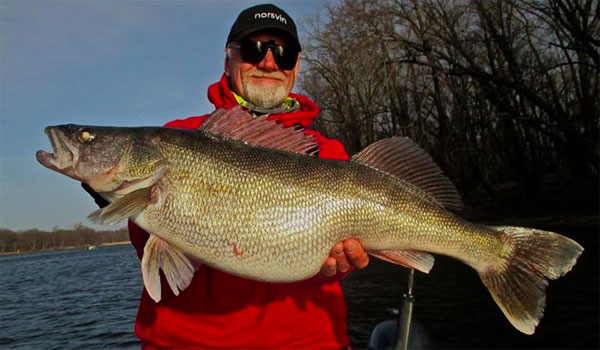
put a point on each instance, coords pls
(65, 156)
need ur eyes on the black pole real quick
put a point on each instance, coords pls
(405, 317)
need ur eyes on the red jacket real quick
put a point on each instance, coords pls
(219, 310)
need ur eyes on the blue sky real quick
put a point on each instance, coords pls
(121, 63)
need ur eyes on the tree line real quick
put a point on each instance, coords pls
(501, 93)
(37, 240)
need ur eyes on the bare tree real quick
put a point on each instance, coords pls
(498, 91)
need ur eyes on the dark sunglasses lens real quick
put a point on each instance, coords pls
(285, 57)
(251, 51)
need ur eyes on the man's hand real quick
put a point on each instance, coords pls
(343, 256)
(100, 201)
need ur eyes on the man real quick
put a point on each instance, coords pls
(219, 310)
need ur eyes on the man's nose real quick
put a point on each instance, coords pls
(268, 63)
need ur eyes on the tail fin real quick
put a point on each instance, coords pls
(518, 284)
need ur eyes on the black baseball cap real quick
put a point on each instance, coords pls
(265, 16)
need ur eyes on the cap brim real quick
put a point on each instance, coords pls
(289, 37)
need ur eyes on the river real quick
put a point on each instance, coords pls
(80, 299)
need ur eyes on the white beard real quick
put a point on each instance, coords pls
(262, 97)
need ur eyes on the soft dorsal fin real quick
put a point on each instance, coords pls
(239, 124)
(403, 158)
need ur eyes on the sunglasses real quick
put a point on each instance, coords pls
(253, 51)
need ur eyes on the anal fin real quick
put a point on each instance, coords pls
(408, 258)
(177, 268)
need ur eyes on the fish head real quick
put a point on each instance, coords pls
(109, 159)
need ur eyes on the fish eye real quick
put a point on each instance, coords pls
(85, 136)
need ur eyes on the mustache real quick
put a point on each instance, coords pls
(261, 74)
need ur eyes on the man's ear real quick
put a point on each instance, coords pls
(296, 69)
(298, 62)
(227, 69)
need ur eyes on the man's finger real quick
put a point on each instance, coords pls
(329, 267)
(343, 265)
(355, 253)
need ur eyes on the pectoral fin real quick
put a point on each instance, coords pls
(122, 208)
(408, 258)
(177, 268)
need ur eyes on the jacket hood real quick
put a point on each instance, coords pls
(220, 95)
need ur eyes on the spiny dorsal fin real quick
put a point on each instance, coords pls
(238, 124)
(404, 159)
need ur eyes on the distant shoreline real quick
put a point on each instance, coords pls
(85, 246)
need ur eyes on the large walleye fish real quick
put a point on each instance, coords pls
(241, 195)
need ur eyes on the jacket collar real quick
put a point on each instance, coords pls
(221, 96)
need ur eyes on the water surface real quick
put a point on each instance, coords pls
(70, 299)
